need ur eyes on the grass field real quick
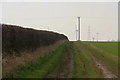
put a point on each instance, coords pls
(57, 64)
(110, 47)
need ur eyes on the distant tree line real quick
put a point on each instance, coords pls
(16, 38)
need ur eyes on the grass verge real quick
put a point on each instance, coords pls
(44, 65)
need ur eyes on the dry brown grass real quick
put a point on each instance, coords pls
(10, 63)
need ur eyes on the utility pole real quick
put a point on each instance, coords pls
(89, 33)
(76, 33)
(78, 28)
(97, 36)
(93, 38)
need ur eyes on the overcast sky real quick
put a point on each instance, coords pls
(102, 17)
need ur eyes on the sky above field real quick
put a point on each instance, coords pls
(100, 17)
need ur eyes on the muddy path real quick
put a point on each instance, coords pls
(105, 71)
(64, 69)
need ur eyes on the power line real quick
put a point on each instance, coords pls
(97, 35)
(89, 33)
(76, 32)
(93, 38)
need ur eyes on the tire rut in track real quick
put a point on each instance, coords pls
(64, 69)
(105, 71)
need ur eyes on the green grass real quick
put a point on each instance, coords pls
(84, 66)
(61, 67)
(44, 65)
(110, 47)
(109, 60)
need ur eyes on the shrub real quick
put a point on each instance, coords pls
(16, 38)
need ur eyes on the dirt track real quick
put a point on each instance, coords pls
(64, 69)
(66, 66)
(105, 71)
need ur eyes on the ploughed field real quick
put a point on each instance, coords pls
(74, 60)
